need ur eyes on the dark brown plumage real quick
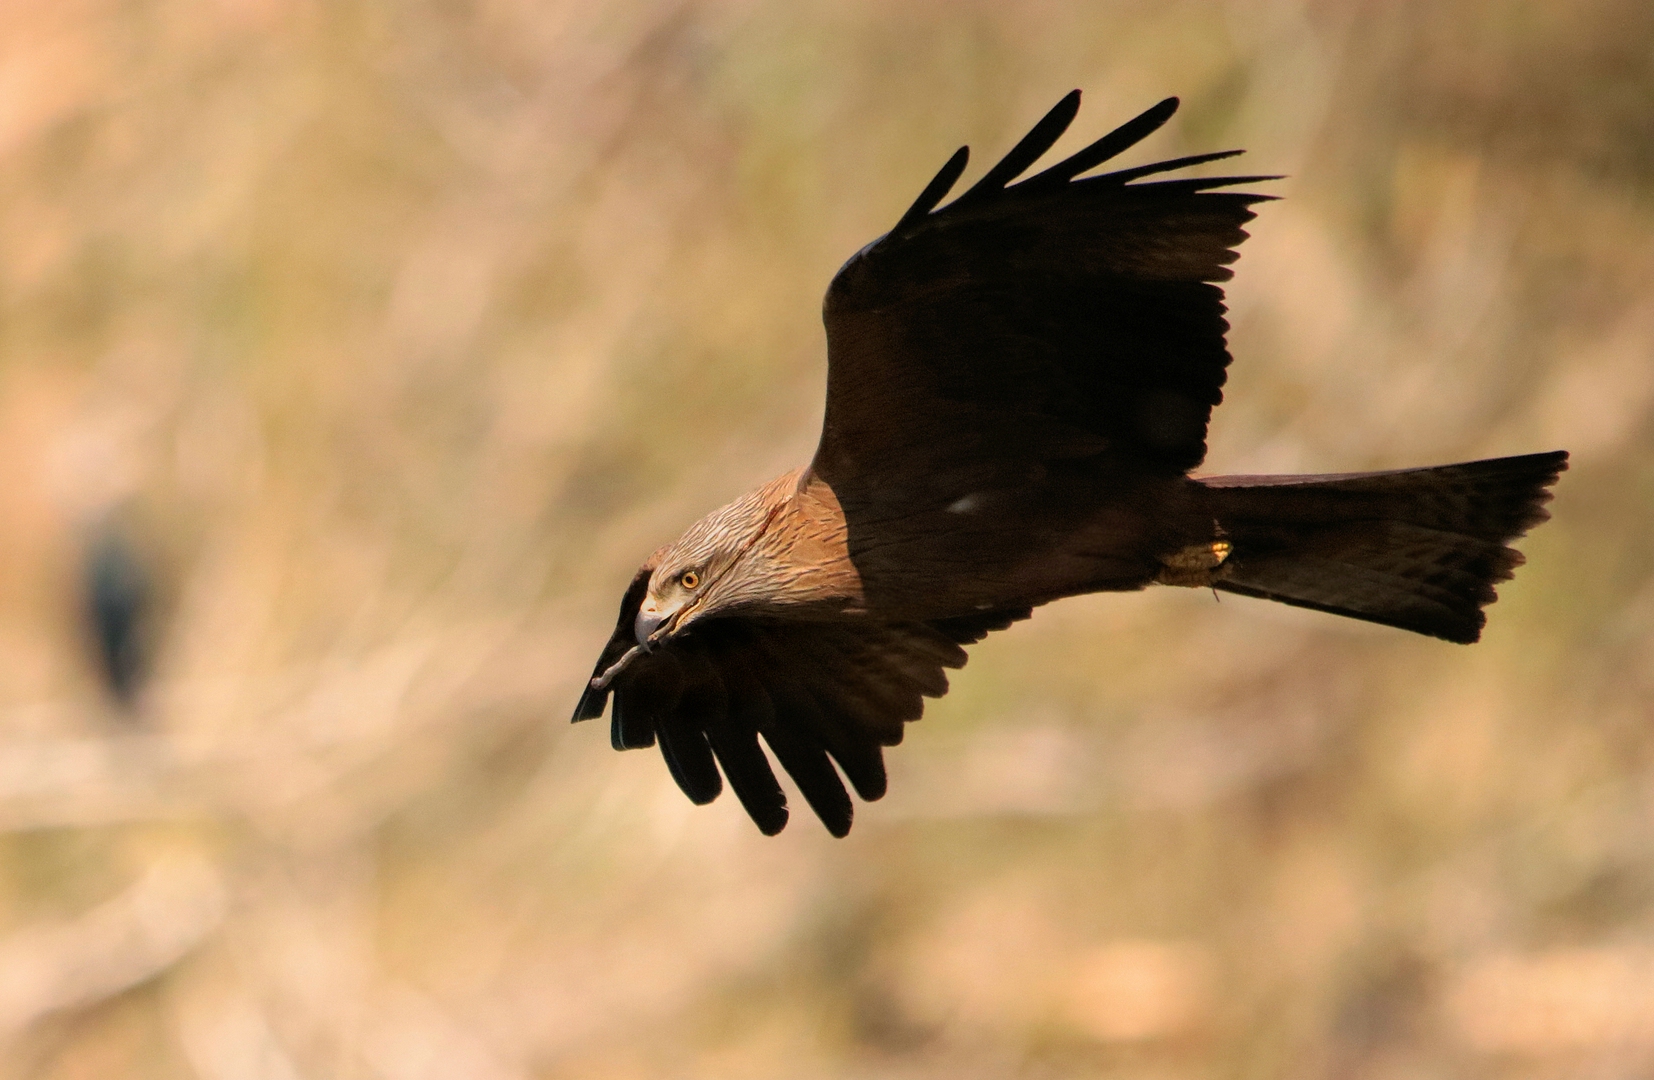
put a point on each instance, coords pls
(1018, 385)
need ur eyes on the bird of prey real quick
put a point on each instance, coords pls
(1018, 385)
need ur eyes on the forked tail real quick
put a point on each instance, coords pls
(1421, 549)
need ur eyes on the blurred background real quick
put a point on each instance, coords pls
(353, 354)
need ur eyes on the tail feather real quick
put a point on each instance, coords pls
(1421, 549)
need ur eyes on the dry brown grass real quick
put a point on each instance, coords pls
(398, 334)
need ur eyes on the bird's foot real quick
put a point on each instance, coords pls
(1197, 566)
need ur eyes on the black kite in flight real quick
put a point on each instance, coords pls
(1018, 385)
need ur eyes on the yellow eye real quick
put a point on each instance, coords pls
(689, 579)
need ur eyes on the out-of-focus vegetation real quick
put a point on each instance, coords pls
(391, 337)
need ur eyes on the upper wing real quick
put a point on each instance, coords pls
(1054, 319)
(817, 693)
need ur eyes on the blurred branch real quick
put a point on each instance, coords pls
(126, 941)
(301, 763)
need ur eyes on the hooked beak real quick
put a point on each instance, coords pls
(649, 621)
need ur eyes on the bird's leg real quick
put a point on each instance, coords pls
(1196, 566)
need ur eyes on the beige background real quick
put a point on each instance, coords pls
(397, 334)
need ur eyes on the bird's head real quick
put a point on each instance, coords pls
(712, 568)
(684, 586)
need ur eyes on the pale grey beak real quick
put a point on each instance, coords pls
(648, 622)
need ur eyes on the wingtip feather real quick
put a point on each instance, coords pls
(1119, 140)
(590, 705)
(772, 826)
(934, 192)
(1029, 149)
(689, 760)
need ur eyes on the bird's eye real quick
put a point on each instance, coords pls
(689, 579)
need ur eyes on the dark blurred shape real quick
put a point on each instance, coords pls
(119, 596)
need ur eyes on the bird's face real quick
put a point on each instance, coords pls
(716, 567)
(686, 587)
(701, 574)
(677, 590)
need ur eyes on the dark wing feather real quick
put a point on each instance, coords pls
(970, 629)
(792, 737)
(592, 700)
(935, 191)
(817, 693)
(1113, 144)
(1030, 149)
(803, 674)
(1055, 320)
(643, 701)
(856, 753)
(734, 740)
(1126, 176)
(683, 731)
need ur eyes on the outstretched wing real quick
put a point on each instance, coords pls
(1053, 320)
(816, 693)
(1058, 335)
